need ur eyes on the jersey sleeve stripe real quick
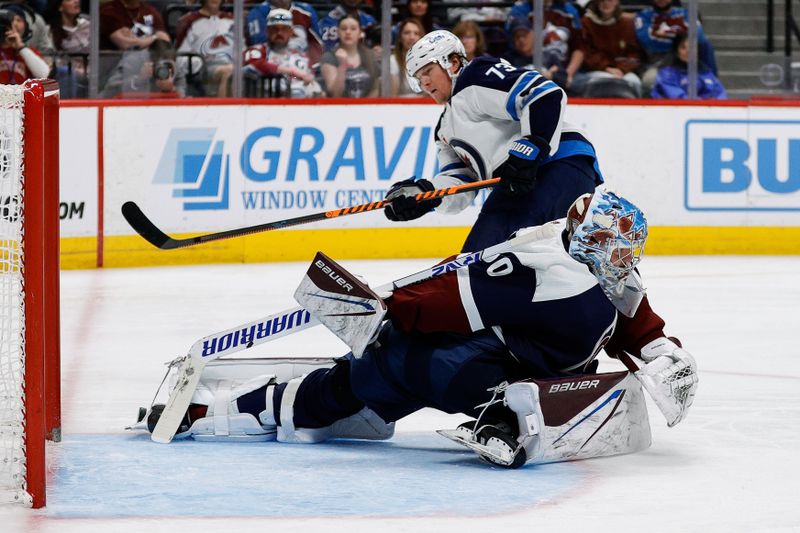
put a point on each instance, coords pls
(468, 300)
(540, 91)
(452, 166)
(525, 80)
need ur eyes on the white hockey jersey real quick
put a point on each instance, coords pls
(494, 104)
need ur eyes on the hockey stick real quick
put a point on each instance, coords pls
(295, 320)
(145, 227)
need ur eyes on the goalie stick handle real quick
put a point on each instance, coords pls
(152, 234)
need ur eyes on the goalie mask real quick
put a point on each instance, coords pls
(607, 233)
(435, 47)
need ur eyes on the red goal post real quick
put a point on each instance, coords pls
(30, 408)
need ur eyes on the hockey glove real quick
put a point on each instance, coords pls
(404, 206)
(518, 173)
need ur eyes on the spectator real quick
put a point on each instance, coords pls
(485, 13)
(672, 80)
(350, 69)
(563, 46)
(410, 31)
(40, 32)
(471, 37)
(278, 57)
(330, 24)
(130, 24)
(150, 73)
(555, 54)
(71, 34)
(19, 61)
(420, 10)
(610, 46)
(521, 53)
(208, 33)
(306, 34)
(656, 29)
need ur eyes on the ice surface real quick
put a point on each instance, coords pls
(732, 465)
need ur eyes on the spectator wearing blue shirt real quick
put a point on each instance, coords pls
(672, 80)
(330, 24)
(656, 29)
(306, 37)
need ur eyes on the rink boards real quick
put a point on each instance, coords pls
(719, 178)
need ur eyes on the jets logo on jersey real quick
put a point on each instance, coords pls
(469, 155)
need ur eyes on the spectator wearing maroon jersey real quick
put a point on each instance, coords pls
(208, 34)
(40, 32)
(130, 24)
(19, 62)
(609, 43)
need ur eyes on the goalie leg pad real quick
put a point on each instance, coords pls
(565, 419)
(223, 421)
(224, 382)
(580, 417)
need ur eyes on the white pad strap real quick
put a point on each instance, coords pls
(267, 416)
(221, 402)
(287, 405)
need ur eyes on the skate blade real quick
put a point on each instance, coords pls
(480, 449)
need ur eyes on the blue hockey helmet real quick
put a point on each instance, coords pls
(607, 233)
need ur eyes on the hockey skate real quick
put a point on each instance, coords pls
(494, 443)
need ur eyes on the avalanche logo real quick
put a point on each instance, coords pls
(196, 167)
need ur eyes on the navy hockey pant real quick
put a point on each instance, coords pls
(403, 373)
(558, 184)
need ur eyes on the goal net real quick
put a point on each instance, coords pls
(29, 299)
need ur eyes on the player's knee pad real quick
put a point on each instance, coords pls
(364, 424)
(580, 417)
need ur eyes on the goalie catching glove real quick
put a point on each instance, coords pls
(670, 376)
(404, 206)
(518, 173)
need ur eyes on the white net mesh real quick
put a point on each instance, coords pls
(12, 313)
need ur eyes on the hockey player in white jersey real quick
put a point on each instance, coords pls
(498, 121)
(510, 342)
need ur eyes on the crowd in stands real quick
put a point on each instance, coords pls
(180, 48)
